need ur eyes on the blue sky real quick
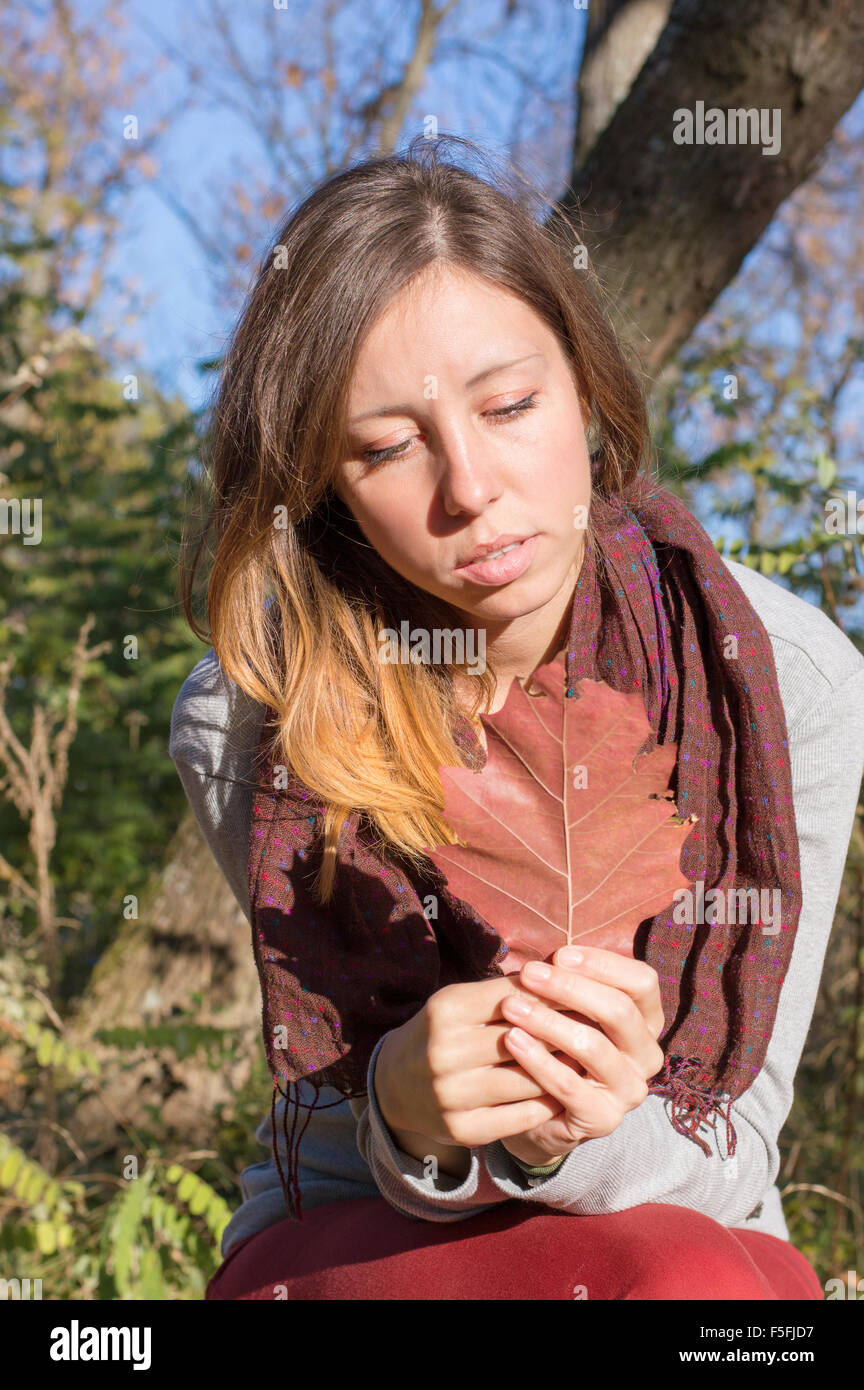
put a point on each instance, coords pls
(181, 322)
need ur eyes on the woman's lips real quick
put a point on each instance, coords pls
(505, 568)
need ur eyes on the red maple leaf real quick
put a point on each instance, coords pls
(569, 836)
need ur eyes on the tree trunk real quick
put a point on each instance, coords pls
(619, 37)
(669, 224)
(191, 936)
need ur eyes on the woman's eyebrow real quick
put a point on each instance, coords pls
(499, 367)
(406, 409)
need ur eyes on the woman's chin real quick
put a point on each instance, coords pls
(517, 599)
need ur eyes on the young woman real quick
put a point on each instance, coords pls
(425, 424)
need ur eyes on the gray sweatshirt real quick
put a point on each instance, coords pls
(349, 1152)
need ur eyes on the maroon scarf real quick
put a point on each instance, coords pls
(654, 609)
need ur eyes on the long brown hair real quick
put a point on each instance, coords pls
(361, 734)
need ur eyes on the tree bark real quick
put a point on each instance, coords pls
(667, 225)
(619, 37)
(190, 936)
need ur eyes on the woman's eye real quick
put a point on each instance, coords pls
(518, 408)
(376, 456)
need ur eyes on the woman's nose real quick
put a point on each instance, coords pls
(469, 482)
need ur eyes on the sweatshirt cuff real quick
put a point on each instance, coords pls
(561, 1186)
(399, 1175)
(597, 1176)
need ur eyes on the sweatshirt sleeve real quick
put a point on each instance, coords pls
(645, 1159)
(215, 729)
(406, 1182)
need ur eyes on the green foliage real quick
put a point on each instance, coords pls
(183, 1037)
(157, 1237)
(53, 1051)
(201, 1199)
(151, 1229)
(110, 475)
(776, 482)
(45, 1207)
(783, 558)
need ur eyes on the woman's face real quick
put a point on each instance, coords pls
(469, 397)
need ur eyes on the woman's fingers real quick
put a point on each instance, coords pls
(634, 977)
(468, 1027)
(501, 1084)
(577, 1095)
(617, 1014)
(589, 1106)
(485, 1124)
(546, 1031)
(583, 1105)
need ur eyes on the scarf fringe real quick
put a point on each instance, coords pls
(691, 1106)
(290, 1182)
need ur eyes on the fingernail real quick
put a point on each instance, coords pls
(537, 970)
(519, 1038)
(571, 955)
(515, 1005)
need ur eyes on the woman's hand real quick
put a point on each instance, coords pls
(449, 1077)
(603, 1070)
(446, 1078)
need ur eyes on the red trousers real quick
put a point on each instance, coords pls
(366, 1250)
